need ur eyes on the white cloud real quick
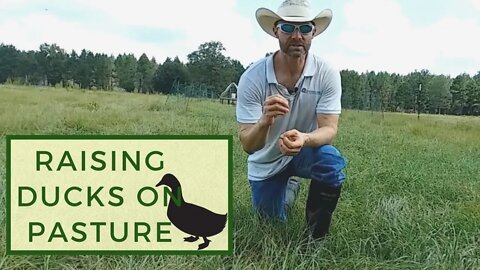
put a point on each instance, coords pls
(476, 4)
(193, 22)
(379, 36)
(30, 31)
(376, 34)
(9, 4)
(455, 37)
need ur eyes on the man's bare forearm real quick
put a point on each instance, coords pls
(320, 136)
(253, 137)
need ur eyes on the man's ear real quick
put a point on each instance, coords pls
(275, 31)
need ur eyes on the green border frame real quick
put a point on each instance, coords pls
(228, 252)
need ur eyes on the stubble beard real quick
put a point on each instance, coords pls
(295, 51)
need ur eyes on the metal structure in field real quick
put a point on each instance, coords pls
(230, 94)
(197, 90)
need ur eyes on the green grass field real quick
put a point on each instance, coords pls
(411, 200)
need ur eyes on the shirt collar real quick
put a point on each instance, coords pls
(308, 70)
(270, 70)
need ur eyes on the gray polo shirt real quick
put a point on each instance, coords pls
(319, 92)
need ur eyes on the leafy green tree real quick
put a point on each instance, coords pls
(418, 82)
(8, 60)
(84, 71)
(439, 94)
(26, 69)
(477, 77)
(351, 89)
(372, 90)
(379, 90)
(52, 61)
(459, 94)
(237, 69)
(404, 97)
(385, 90)
(126, 67)
(145, 74)
(71, 66)
(103, 71)
(476, 108)
(169, 73)
(209, 66)
(472, 90)
(395, 80)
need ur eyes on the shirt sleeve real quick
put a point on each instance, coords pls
(249, 101)
(330, 99)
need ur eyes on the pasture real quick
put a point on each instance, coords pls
(411, 200)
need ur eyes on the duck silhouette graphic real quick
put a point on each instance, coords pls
(192, 219)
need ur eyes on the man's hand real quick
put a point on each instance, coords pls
(272, 107)
(291, 142)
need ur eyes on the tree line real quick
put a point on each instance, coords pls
(52, 65)
(419, 91)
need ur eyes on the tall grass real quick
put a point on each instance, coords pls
(411, 201)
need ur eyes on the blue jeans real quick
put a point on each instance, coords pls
(323, 164)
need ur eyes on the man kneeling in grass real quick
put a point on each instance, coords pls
(288, 109)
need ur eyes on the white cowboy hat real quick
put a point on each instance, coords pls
(293, 11)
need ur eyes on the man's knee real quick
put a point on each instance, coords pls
(268, 200)
(328, 165)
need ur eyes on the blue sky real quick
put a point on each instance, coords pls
(381, 35)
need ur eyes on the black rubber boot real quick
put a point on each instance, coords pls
(321, 202)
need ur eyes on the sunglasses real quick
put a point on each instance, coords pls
(290, 28)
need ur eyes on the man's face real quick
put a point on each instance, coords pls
(297, 43)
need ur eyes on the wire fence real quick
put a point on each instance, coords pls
(195, 90)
